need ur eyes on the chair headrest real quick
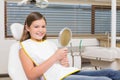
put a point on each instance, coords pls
(17, 30)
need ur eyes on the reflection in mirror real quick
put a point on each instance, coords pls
(65, 36)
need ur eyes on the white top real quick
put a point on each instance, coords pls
(41, 51)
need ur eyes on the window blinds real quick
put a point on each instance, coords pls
(103, 20)
(74, 16)
(58, 16)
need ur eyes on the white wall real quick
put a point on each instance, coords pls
(4, 43)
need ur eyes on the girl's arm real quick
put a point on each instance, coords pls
(32, 71)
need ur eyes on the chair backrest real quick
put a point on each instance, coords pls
(15, 69)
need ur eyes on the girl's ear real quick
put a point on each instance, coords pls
(27, 28)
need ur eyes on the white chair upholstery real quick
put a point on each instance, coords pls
(17, 30)
(15, 69)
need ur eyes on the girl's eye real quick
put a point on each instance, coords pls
(36, 26)
(43, 26)
(39, 26)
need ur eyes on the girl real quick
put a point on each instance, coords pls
(41, 59)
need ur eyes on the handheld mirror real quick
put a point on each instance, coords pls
(65, 36)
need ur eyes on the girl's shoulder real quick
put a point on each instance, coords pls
(25, 41)
(52, 43)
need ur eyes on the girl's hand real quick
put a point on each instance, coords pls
(64, 62)
(61, 54)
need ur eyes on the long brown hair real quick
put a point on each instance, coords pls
(30, 18)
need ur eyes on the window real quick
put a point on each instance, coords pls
(102, 19)
(81, 19)
(58, 16)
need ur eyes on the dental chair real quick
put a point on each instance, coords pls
(102, 57)
(15, 69)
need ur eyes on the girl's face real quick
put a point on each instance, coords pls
(37, 29)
